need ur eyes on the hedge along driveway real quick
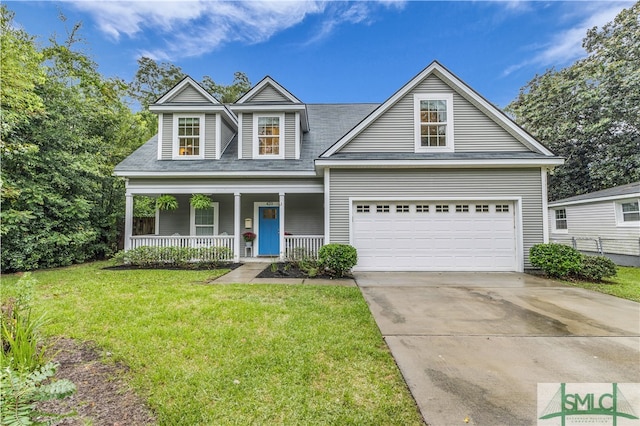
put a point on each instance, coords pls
(238, 354)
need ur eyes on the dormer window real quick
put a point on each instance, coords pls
(188, 140)
(433, 122)
(268, 138)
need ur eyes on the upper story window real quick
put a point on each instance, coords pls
(269, 136)
(433, 122)
(188, 136)
(560, 223)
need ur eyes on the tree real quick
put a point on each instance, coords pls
(589, 112)
(60, 202)
(153, 80)
(231, 93)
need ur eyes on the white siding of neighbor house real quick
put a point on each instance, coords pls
(210, 136)
(268, 94)
(303, 213)
(424, 183)
(590, 221)
(188, 94)
(167, 136)
(393, 131)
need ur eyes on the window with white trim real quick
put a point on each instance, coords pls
(204, 221)
(188, 136)
(433, 122)
(630, 212)
(560, 220)
(268, 135)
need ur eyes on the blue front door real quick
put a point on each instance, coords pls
(268, 235)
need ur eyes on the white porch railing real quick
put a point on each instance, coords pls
(301, 246)
(201, 242)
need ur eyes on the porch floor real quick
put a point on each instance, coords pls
(252, 266)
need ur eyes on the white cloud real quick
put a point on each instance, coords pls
(193, 28)
(566, 46)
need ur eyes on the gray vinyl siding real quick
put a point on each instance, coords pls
(590, 221)
(304, 214)
(188, 94)
(176, 221)
(474, 131)
(247, 135)
(268, 94)
(227, 134)
(167, 136)
(290, 136)
(210, 136)
(420, 183)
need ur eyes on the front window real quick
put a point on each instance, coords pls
(434, 122)
(205, 221)
(561, 219)
(188, 136)
(269, 136)
(631, 212)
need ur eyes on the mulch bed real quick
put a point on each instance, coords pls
(102, 397)
(290, 270)
(191, 267)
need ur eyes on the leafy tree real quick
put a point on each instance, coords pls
(60, 202)
(230, 93)
(589, 112)
(153, 80)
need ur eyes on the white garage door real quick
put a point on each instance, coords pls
(435, 235)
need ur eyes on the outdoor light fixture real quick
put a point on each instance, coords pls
(248, 223)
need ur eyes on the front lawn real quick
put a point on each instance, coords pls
(625, 284)
(231, 354)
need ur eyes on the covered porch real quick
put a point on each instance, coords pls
(281, 221)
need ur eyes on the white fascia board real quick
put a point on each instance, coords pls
(595, 200)
(176, 188)
(274, 107)
(457, 84)
(264, 82)
(215, 174)
(196, 108)
(538, 162)
(191, 82)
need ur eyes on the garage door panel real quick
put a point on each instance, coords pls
(406, 237)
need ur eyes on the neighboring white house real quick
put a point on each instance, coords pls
(603, 222)
(435, 178)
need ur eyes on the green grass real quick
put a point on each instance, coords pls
(232, 354)
(626, 284)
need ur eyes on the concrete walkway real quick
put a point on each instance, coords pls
(473, 347)
(246, 274)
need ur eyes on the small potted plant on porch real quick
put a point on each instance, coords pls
(248, 238)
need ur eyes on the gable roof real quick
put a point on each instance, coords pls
(618, 192)
(210, 104)
(449, 78)
(180, 86)
(268, 81)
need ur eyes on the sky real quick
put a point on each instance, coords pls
(330, 51)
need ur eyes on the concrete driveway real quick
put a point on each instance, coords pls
(473, 346)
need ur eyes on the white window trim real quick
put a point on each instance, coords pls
(416, 119)
(554, 228)
(175, 149)
(192, 220)
(619, 217)
(256, 144)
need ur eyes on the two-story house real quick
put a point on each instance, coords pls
(434, 178)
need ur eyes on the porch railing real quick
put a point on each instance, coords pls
(301, 246)
(218, 241)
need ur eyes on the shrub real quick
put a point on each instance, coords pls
(595, 268)
(147, 256)
(556, 260)
(337, 259)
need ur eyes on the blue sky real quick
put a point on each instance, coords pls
(331, 51)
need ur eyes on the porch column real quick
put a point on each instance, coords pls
(236, 227)
(282, 251)
(128, 221)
